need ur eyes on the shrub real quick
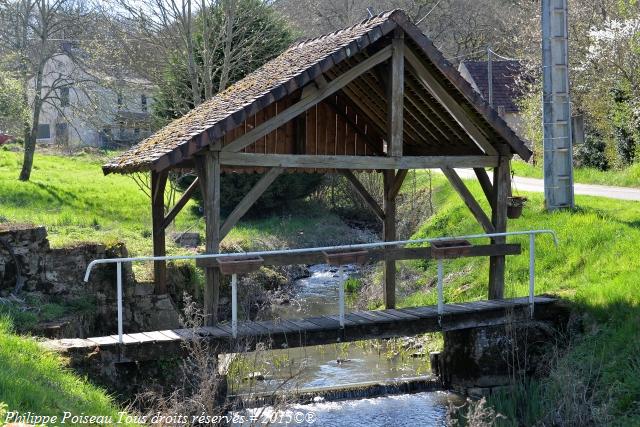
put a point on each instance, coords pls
(592, 153)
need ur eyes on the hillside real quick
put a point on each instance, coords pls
(595, 266)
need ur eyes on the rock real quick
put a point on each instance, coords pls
(186, 240)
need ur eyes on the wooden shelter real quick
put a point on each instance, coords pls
(377, 96)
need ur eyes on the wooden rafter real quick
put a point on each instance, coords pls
(395, 98)
(248, 200)
(354, 162)
(469, 200)
(175, 210)
(447, 101)
(307, 102)
(363, 193)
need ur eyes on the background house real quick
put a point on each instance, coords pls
(508, 78)
(87, 108)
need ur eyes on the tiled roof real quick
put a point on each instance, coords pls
(508, 77)
(299, 64)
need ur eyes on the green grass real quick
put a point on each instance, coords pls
(596, 266)
(77, 203)
(32, 379)
(627, 177)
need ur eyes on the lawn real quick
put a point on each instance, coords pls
(627, 177)
(595, 266)
(37, 381)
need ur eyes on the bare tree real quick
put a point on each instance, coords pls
(33, 36)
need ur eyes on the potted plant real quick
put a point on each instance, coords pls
(514, 206)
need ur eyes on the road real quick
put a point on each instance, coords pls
(536, 185)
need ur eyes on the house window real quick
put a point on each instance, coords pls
(143, 102)
(64, 97)
(44, 131)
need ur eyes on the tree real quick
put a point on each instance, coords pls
(13, 112)
(33, 37)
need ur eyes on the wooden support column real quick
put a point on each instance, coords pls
(395, 95)
(389, 232)
(209, 173)
(158, 184)
(501, 185)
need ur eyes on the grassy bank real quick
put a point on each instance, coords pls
(595, 266)
(627, 177)
(36, 381)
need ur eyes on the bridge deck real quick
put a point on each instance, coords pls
(289, 333)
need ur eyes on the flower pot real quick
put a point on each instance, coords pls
(514, 206)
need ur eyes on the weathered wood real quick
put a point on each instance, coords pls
(355, 162)
(309, 101)
(469, 200)
(360, 130)
(487, 186)
(396, 96)
(363, 193)
(451, 105)
(248, 200)
(158, 185)
(397, 182)
(359, 325)
(211, 194)
(389, 234)
(501, 184)
(186, 196)
(376, 255)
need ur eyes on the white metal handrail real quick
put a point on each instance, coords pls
(234, 322)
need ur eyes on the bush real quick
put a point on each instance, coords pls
(592, 154)
(284, 190)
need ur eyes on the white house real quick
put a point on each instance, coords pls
(85, 107)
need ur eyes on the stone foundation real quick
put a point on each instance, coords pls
(479, 361)
(32, 274)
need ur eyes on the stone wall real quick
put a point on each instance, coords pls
(32, 274)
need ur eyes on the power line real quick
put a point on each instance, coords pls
(428, 13)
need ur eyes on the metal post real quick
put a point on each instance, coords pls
(234, 305)
(119, 297)
(440, 292)
(341, 297)
(532, 268)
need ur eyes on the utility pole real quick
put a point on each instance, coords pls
(556, 107)
(490, 75)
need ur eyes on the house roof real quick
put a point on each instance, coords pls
(300, 64)
(508, 77)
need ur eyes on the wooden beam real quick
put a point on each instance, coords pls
(487, 186)
(158, 185)
(397, 182)
(363, 193)
(389, 234)
(451, 105)
(469, 200)
(501, 184)
(175, 210)
(355, 162)
(209, 173)
(308, 101)
(248, 200)
(395, 99)
(376, 255)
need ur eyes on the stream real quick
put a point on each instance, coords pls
(321, 367)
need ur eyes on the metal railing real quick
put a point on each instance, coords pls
(234, 279)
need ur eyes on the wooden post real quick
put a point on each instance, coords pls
(389, 232)
(158, 184)
(501, 184)
(395, 99)
(209, 172)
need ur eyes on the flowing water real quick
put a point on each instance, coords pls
(342, 364)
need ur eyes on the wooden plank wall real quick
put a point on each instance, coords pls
(327, 133)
